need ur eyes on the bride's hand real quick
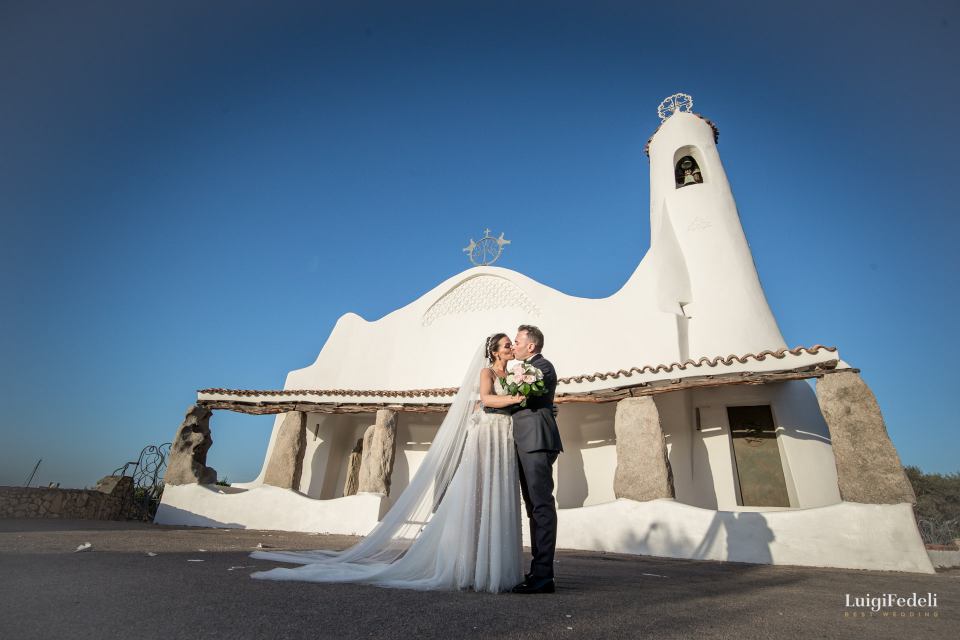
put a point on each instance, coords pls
(517, 399)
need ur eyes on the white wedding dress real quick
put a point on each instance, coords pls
(456, 526)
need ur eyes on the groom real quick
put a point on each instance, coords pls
(537, 439)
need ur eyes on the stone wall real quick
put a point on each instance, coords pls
(111, 500)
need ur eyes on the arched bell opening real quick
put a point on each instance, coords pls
(687, 172)
(689, 167)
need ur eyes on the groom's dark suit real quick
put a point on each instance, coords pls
(537, 439)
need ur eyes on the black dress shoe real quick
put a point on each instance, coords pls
(535, 585)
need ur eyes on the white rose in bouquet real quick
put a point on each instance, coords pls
(526, 380)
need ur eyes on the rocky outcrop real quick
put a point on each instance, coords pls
(643, 469)
(188, 454)
(379, 449)
(868, 467)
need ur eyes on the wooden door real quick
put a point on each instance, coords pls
(757, 455)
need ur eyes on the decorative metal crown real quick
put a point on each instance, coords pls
(675, 104)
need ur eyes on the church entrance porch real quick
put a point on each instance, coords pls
(656, 468)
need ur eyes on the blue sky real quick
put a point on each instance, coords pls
(190, 197)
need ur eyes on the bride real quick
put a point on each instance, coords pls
(457, 524)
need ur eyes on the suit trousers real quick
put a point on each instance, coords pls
(536, 486)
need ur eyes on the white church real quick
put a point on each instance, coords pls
(696, 434)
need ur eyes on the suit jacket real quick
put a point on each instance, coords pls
(534, 426)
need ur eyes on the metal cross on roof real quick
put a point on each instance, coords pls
(486, 250)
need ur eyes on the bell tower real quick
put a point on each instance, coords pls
(705, 273)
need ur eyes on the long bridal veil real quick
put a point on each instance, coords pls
(404, 523)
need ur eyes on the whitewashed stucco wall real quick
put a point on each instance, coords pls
(696, 293)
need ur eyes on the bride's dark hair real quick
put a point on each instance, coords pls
(492, 343)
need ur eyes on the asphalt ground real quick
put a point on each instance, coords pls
(116, 589)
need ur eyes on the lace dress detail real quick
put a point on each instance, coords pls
(496, 506)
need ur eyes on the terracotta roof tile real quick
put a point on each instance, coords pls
(589, 377)
(716, 132)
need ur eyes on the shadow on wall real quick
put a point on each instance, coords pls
(746, 537)
(415, 434)
(586, 467)
(704, 488)
(401, 465)
(573, 488)
(346, 431)
(181, 517)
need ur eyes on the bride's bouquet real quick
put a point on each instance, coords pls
(526, 380)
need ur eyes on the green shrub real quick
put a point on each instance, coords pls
(938, 505)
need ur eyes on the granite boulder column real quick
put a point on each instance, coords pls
(868, 467)
(286, 458)
(353, 469)
(379, 450)
(187, 463)
(643, 469)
